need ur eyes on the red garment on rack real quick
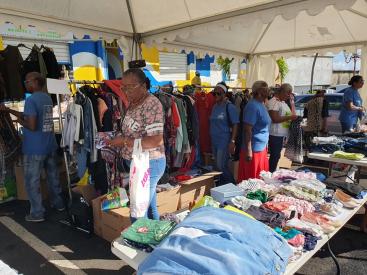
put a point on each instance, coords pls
(175, 114)
(115, 85)
(204, 105)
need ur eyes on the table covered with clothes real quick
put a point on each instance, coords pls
(271, 225)
(349, 150)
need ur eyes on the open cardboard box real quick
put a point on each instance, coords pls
(194, 189)
(168, 201)
(109, 224)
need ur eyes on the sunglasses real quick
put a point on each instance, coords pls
(218, 94)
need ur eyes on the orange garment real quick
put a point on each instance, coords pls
(283, 207)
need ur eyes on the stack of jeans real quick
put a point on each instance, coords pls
(199, 245)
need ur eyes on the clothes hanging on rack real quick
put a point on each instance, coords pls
(43, 60)
(73, 130)
(111, 157)
(181, 129)
(10, 141)
(53, 68)
(2, 161)
(11, 87)
(34, 63)
(204, 105)
(93, 112)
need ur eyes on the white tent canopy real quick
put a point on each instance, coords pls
(236, 27)
(228, 27)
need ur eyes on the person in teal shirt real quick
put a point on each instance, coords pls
(224, 121)
(352, 107)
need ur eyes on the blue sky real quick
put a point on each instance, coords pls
(339, 63)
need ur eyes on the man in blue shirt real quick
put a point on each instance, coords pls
(224, 121)
(352, 108)
(39, 146)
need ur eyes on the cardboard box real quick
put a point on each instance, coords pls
(208, 159)
(97, 215)
(167, 201)
(284, 162)
(193, 190)
(21, 191)
(109, 224)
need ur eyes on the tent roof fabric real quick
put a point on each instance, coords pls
(236, 27)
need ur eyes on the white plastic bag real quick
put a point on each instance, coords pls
(139, 181)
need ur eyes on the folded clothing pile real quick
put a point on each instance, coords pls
(345, 155)
(145, 232)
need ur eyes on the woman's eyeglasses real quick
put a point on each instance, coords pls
(129, 88)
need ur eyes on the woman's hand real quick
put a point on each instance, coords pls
(116, 142)
(248, 155)
(231, 148)
(293, 117)
(3, 108)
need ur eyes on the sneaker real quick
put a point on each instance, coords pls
(60, 209)
(30, 218)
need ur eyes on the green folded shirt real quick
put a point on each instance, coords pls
(345, 155)
(258, 195)
(149, 232)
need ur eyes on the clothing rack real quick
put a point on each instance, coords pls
(155, 87)
(72, 222)
(85, 82)
(204, 87)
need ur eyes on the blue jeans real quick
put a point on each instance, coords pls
(33, 165)
(275, 149)
(81, 157)
(221, 156)
(157, 168)
(347, 126)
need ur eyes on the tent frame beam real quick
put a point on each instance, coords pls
(203, 47)
(210, 19)
(261, 36)
(316, 48)
(357, 13)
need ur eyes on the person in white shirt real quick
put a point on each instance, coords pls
(281, 116)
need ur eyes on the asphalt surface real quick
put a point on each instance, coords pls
(53, 248)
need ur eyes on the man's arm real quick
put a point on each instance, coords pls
(29, 122)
